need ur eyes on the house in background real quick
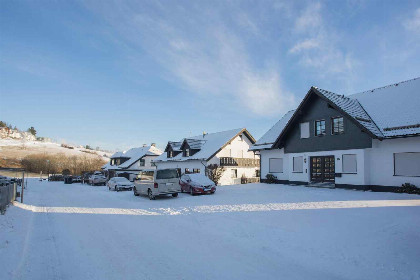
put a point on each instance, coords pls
(128, 164)
(368, 140)
(229, 149)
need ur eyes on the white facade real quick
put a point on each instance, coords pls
(237, 147)
(375, 166)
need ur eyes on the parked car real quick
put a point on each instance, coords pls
(77, 179)
(157, 182)
(95, 180)
(197, 184)
(120, 184)
(56, 178)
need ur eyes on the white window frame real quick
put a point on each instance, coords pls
(294, 171)
(269, 165)
(408, 154)
(342, 164)
(307, 130)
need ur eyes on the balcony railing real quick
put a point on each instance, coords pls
(239, 162)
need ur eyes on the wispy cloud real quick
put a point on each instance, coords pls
(204, 52)
(317, 44)
(413, 23)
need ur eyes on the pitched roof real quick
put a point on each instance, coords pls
(353, 108)
(268, 139)
(210, 144)
(137, 153)
(386, 112)
(134, 155)
(394, 108)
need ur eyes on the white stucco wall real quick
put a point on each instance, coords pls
(381, 161)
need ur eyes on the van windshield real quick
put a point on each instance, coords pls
(167, 174)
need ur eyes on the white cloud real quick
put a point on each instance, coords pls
(318, 45)
(413, 23)
(206, 55)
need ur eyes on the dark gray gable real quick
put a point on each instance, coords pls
(316, 107)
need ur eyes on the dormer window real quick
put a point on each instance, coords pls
(170, 154)
(186, 152)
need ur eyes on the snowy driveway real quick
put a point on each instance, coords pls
(242, 232)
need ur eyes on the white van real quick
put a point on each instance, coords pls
(157, 182)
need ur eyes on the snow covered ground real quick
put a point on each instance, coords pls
(253, 231)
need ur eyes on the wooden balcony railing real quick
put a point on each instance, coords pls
(239, 162)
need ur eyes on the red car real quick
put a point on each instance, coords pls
(197, 184)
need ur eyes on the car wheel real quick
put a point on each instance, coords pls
(150, 194)
(191, 191)
(109, 188)
(115, 188)
(135, 192)
(174, 194)
(182, 190)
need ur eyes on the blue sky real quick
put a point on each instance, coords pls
(117, 74)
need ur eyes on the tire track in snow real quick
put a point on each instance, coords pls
(224, 208)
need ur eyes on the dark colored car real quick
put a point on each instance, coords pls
(197, 184)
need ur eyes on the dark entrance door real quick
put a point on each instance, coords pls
(323, 169)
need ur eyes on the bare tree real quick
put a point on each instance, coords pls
(215, 172)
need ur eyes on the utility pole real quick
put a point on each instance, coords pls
(23, 184)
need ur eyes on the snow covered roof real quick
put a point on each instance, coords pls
(386, 112)
(176, 146)
(117, 155)
(137, 153)
(208, 144)
(353, 108)
(394, 108)
(268, 139)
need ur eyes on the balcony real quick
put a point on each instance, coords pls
(239, 162)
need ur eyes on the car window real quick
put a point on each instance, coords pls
(185, 178)
(167, 174)
(146, 175)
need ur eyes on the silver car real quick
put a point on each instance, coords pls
(119, 184)
(157, 182)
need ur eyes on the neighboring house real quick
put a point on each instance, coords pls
(228, 149)
(129, 163)
(368, 140)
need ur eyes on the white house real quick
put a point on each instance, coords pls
(369, 140)
(227, 148)
(129, 163)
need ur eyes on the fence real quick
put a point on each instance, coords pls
(7, 195)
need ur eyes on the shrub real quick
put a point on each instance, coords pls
(271, 179)
(408, 188)
(215, 172)
(244, 179)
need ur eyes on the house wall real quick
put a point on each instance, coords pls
(318, 109)
(147, 164)
(236, 148)
(381, 161)
(375, 166)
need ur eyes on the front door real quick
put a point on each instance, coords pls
(323, 169)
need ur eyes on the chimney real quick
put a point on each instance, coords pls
(153, 144)
(204, 134)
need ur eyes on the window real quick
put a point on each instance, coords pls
(337, 125)
(187, 153)
(320, 128)
(187, 171)
(349, 164)
(145, 176)
(169, 154)
(298, 164)
(142, 162)
(234, 173)
(407, 164)
(167, 174)
(196, 170)
(304, 130)
(275, 165)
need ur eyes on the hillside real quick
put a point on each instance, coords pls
(12, 151)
